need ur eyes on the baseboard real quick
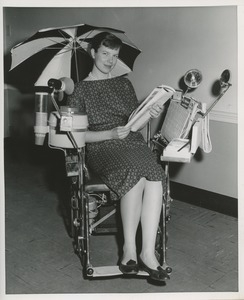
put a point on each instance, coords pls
(206, 199)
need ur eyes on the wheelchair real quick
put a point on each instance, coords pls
(91, 205)
(89, 195)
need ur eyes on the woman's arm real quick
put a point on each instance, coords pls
(100, 136)
(155, 111)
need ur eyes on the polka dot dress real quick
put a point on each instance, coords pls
(120, 163)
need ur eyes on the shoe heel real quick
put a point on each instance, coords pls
(158, 275)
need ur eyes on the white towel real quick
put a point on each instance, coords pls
(206, 144)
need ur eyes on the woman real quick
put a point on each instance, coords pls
(121, 157)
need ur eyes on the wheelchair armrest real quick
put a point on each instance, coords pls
(174, 153)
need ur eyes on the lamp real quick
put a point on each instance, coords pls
(192, 79)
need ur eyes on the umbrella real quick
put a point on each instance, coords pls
(64, 52)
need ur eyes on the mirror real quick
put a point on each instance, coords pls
(224, 78)
(193, 78)
(224, 84)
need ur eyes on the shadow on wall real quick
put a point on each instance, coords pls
(175, 167)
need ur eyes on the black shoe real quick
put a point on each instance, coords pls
(131, 268)
(160, 274)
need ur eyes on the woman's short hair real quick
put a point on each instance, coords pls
(106, 39)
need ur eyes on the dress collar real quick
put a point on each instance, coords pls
(92, 77)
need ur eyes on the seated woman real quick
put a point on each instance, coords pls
(120, 157)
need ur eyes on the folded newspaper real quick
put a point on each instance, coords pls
(141, 115)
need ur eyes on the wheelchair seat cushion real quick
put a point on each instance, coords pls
(95, 184)
(120, 163)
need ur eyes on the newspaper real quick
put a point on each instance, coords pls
(141, 115)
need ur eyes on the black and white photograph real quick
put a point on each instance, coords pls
(121, 151)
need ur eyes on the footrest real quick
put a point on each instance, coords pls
(111, 229)
(106, 271)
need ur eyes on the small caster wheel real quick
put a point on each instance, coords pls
(168, 218)
(89, 271)
(169, 270)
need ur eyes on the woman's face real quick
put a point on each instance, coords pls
(105, 59)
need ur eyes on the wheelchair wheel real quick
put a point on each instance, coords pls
(77, 221)
(74, 205)
(161, 242)
(162, 238)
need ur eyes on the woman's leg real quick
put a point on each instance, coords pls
(150, 215)
(131, 205)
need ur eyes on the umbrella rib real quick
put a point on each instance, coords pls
(66, 40)
(61, 43)
(62, 34)
(64, 51)
(76, 62)
(88, 34)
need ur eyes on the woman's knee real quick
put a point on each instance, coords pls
(137, 189)
(156, 186)
(142, 181)
(153, 183)
(140, 184)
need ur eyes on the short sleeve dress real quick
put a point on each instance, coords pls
(119, 163)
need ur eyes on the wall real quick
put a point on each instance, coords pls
(172, 40)
(217, 170)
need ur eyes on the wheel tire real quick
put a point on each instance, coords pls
(159, 245)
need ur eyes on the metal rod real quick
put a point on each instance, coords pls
(202, 116)
(215, 102)
(94, 225)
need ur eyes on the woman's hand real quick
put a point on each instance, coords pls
(120, 132)
(155, 110)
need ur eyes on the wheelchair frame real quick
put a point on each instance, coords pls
(80, 193)
(84, 215)
(80, 205)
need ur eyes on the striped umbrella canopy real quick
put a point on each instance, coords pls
(65, 52)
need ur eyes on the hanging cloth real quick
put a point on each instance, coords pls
(206, 144)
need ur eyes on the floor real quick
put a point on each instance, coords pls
(202, 244)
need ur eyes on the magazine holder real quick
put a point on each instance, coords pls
(181, 130)
(180, 136)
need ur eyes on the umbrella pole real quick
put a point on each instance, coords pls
(76, 66)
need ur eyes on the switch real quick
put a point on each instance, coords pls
(8, 30)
